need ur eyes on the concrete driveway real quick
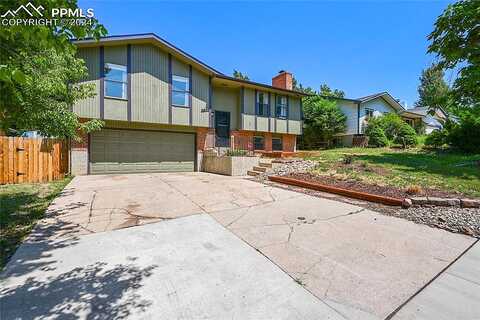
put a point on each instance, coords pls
(301, 257)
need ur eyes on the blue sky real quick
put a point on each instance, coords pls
(359, 47)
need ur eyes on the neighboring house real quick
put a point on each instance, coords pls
(359, 110)
(163, 108)
(432, 122)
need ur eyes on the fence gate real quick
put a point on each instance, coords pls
(27, 160)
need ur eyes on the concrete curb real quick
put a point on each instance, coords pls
(344, 192)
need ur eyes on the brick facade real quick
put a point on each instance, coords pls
(244, 141)
(205, 138)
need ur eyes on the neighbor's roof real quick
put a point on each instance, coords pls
(386, 96)
(170, 48)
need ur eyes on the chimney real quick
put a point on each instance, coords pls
(283, 80)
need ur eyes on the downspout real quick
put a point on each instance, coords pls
(358, 118)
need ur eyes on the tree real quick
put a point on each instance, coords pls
(433, 91)
(323, 119)
(327, 92)
(455, 40)
(238, 75)
(38, 69)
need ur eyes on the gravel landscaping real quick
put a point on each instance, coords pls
(454, 219)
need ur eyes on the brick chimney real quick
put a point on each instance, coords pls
(283, 80)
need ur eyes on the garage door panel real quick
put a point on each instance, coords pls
(118, 151)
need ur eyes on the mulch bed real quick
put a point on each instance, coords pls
(388, 191)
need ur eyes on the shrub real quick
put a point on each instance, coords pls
(391, 123)
(236, 153)
(406, 136)
(436, 139)
(466, 134)
(376, 135)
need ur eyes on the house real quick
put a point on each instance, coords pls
(163, 108)
(359, 110)
(420, 114)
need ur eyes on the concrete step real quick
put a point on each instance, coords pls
(265, 164)
(253, 173)
(259, 169)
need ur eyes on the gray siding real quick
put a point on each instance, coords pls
(249, 101)
(225, 99)
(200, 93)
(90, 107)
(149, 84)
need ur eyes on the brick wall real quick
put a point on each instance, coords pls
(289, 142)
(205, 138)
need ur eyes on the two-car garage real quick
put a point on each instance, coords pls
(131, 151)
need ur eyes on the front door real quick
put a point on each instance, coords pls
(222, 129)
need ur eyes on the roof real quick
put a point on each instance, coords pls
(387, 97)
(155, 39)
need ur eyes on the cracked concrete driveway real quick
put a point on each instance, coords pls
(357, 263)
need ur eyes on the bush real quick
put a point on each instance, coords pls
(406, 136)
(436, 139)
(466, 134)
(376, 135)
(391, 123)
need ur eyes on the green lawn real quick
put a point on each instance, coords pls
(403, 168)
(21, 206)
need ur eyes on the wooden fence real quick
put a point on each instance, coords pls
(27, 160)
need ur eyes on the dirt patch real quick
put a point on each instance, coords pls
(389, 191)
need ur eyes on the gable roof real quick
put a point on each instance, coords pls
(170, 48)
(385, 96)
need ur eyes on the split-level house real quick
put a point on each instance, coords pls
(358, 111)
(163, 108)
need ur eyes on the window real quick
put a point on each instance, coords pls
(115, 81)
(258, 143)
(281, 108)
(180, 91)
(368, 113)
(277, 144)
(262, 104)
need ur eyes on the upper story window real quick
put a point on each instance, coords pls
(262, 104)
(180, 91)
(368, 113)
(281, 107)
(115, 81)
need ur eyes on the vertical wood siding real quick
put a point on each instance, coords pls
(226, 99)
(200, 96)
(149, 84)
(90, 107)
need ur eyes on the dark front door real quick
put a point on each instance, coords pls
(222, 128)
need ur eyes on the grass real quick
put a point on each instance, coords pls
(404, 168)
(22, 205)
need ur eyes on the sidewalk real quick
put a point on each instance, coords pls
(455, 294)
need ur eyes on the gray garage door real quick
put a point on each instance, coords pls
(124, 151)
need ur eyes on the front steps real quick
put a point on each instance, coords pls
(264, 166)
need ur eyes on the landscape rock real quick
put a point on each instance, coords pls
(444, 202)
(419, 200)
(470, 203)
(407, 203)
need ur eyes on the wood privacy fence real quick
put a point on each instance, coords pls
(32, 159)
